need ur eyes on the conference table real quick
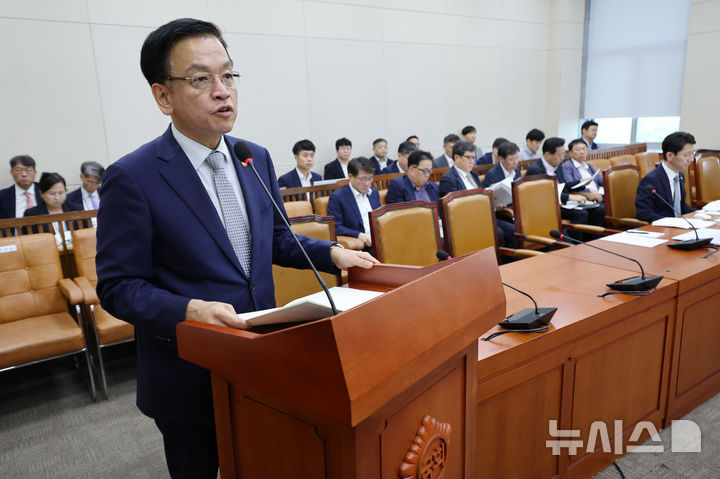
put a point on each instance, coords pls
(610, 371)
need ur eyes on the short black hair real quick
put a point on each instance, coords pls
(378, 140)
(417, 156)
(675, 142)
(155, 52)
(411, 137)
(588, 124)
(506, 149)
(48, 180)
(572, 144)
(553, 143)
(303, 145)
(468, 129)
(462, 147)
(342, 142)
(406, 147)
(360, 163)
(498, 142)
(451, 138)
(25, 160)
(93, 168)
(535, 135)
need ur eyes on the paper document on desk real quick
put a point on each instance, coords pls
(585, 181)
(308, 308)
(575, 205)
(502, 191)
(713, 206)
(702, 233)
(682, 223)
(634, 239)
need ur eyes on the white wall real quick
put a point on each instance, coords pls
(73, 89)
(701, 84)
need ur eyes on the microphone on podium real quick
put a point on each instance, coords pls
(636, 283)
(244, 154)
(687, 245)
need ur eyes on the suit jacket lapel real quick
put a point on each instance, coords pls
(179, 173)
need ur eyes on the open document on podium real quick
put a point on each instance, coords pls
(308, 308)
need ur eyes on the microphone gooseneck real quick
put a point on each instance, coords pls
(244, 153)
(523, 292)
(688, 245)
(558, 235)
(654, 192)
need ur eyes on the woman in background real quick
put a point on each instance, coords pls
(52, 191)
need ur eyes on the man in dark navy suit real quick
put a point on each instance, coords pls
(88, 196)
(588, 131)
(186, 233)
(667, 179)
(401, 165)
(304, 152)
(25, 193)
(491, 157)
(446, 160)
(416, 184)
(337, 169)
(507, 166)
(351, 204)
(379, 158)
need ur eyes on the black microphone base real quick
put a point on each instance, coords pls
(691, 244)
(528, 318)
(637, 283)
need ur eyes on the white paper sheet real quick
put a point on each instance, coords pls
(681, 223)
(634, 239)
(702, 233)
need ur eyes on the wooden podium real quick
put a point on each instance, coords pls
(385, 390)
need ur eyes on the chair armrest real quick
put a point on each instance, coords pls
(598, 230)
(632, 222)
(349, 242)
(71, 291)
(519, 253)
(547, 241)
(89, 293)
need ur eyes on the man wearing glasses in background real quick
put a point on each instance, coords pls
(186, 233)
(25, 193)
(415, 185)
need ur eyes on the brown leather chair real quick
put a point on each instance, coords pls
(621, 184)
(298, 208)
(647, 161)
(623, 160)
(105, 329)
(406, 233)
(291, 283)
(469, 224)
(34, 302)
(383, 196)
(707, 180)
(321, 205)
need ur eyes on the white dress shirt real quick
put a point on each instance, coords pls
(671, 177)
(304, 180)
(549, 169)
(585, 173)
(197, 154)
(363, 203)
(21, 199)
(87, 199)
(467, 179)
(506, 172)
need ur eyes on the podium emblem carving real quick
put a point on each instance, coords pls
(427, 456)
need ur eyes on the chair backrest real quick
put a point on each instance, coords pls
(29, 274)
(321, 205)
(600, 163)
(468, 221)
(406, 233)
(291, 283)
(298, 208)
(536, 205)
(84, 249)
(623, 160)
(708, 179)
(647, 161)
(621, 184)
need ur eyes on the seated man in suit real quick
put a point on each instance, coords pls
(415, 185)
(304, 152)
(531, 150)
(462, 177)
(508, 154)
(578, 169)
(491, 157)
(91, 173)
(446, 160)
(338, 167)
(401, 165)
(469, 134)
(24, 194)
(667, 179)
(379, 158)
(589, 132)
(351, 204)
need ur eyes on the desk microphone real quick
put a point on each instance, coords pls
(636, 283)
(525, 319)
(687, 245)
(244, 153)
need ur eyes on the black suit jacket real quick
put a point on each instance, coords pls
(402, 189)
(442, 162)
(451, 181)
(7, 201)
(292, 180)
(42, 210)
(333, 170)
(496, 174)
(648, 207)
(378, 169)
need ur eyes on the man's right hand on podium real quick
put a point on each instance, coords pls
(212, 312)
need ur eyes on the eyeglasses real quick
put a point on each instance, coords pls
(54, 194)
(469, 157)
(90, 182)
(365, 179)
(19, 170)
(205, 80)
(424, 171)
